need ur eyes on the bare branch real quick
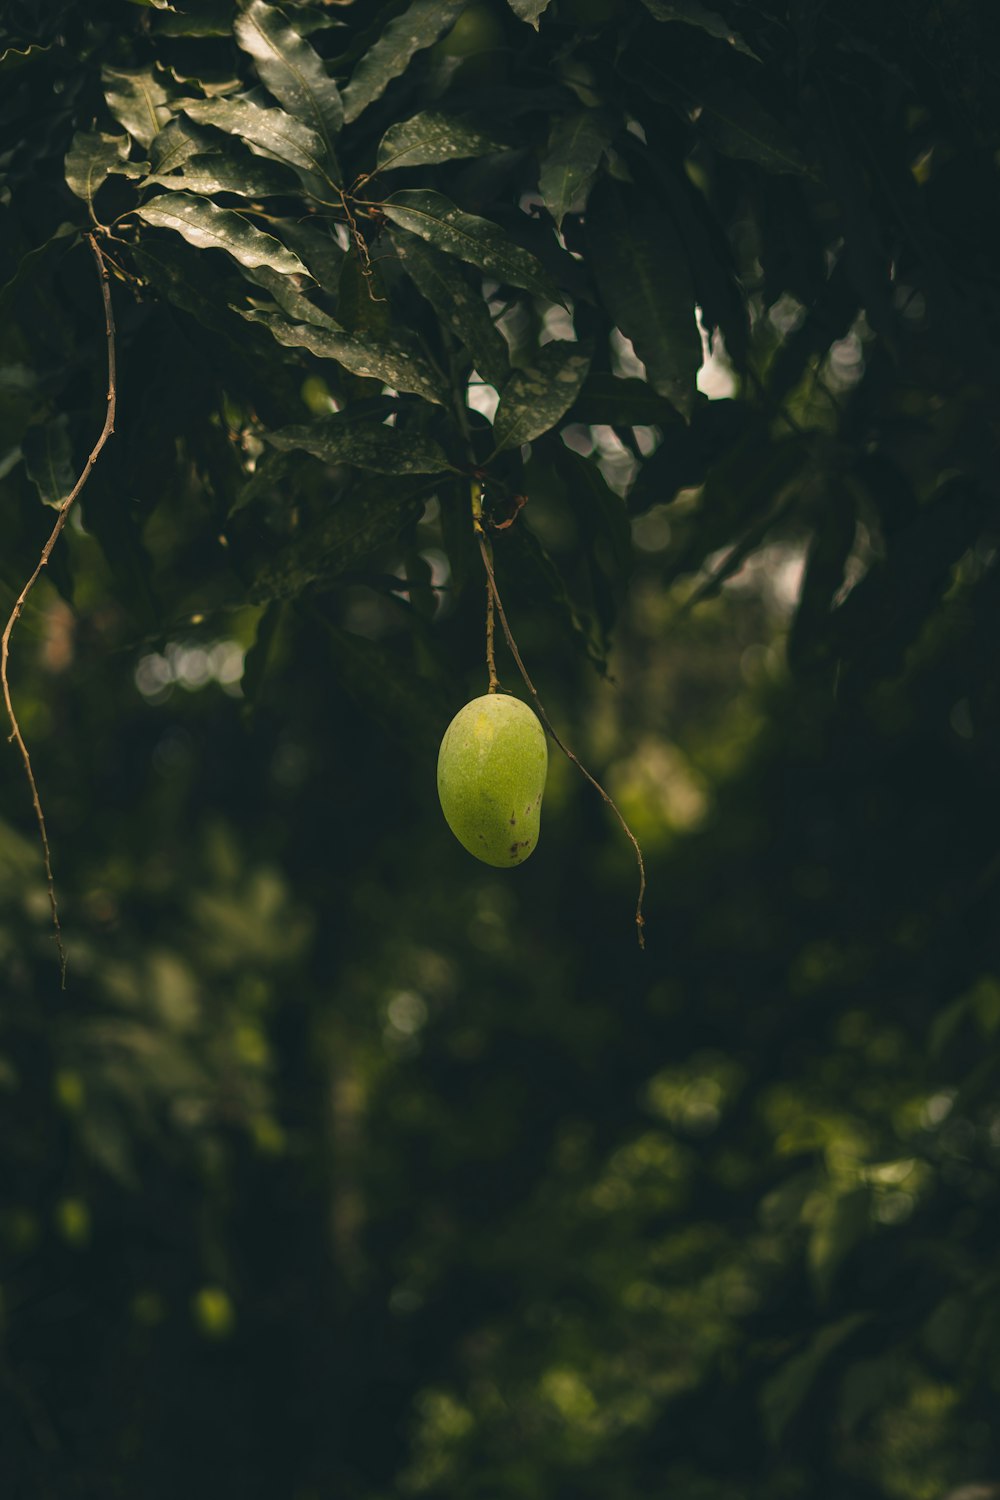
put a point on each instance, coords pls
(15, 735)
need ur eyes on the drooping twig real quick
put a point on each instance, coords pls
(494, 594)
(491, 661)
(15, 736)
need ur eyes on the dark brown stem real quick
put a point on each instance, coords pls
(15, 735)
(491, 661)
(498, 602)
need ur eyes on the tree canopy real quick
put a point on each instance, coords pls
(344, 1165)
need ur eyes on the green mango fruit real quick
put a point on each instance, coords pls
(491, 776)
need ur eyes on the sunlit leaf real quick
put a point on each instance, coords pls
(293, 72)
(572, 157)
(432, 137)
(245, 175)
(419, 26)
(209, 227)
(138, 100)
(91, 159)
(387, 360)
(534, 399)
(460, 306)
(271, 131)
(344, 439)
(436, 219)
(644, 280)
(529, 10)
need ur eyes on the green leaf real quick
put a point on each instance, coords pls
(91, 159)
(436, 219)
(208, 227)
(570, 163)
(15, 57)
(293, 72)
(391, 361)
(693, 13)
(534, 399)
(366, 517)
(529, 10)
(48, 458)
(738, 126)
(344, 439)
(137, 100)
(272, 131)
(288, 298)
(460, 307)
(246, 175)
(644, 280)
(431, 137)
(610, 400)
(176, 142)
(784, 1393)
(35, 260)
(419, 26)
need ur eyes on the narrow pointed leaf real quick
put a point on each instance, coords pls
(138, 100)
(342, 439)
(460, 307)
(610, 400)
(738, 126)
(92, 158)
(404, 36)
(48, 458)
(271, 131)
(534, 400)
(293, 72)
(436, 219)
(570, 164)
(176, 142)
(290, 300)
(431, 137)
(216, 172)
(645, 283)
(35, 260)
(693, 13)
(387, 360)
(208, 227)
(529, 10)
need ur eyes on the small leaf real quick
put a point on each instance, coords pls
(343, 439)
(529, 10)
(534, 399)
(644, 280)
(289, 299)
(272, 131)
(293, 72)
(693, 13)
(419, 26)
(246, 175)
(388, 360)
(569, 166)
(48, 458)
(460, 307)
(428, 138)
(208, 227)
(612, 401)
(137, 100)
(92, 158)
(738, 126)
(34, 260)
(176, 142)
(439, 221)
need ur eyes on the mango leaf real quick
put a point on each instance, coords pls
(208, 227)
(91, 159)
(534, 399)
(528, 10)
(366, 517)
(693, 13)
(176, 142)
(431, 137)
(137, 100)
(246, 175)
(784, 1393)
(460, 307)
(313, 244)
(390, 361)
(436, 219)
(738, 126)
(272, 131)
(410, 707)
(48, 458)
(343, 439)
(293, 72)
(288, 297)
(611, 400)
(644, 280)
(570, 163)
(419, 26)
(35, 260)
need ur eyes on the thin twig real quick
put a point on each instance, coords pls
(491, 661)
(498, 602)
(15, 736)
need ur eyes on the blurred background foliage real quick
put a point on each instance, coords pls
(345, 1166)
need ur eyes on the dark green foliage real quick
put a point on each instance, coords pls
(345, 1169)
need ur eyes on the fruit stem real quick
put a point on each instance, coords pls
(495, 600)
